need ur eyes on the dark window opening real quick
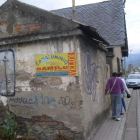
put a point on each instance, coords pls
(110, 50)
(118, 64)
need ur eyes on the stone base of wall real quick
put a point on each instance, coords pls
(42, 127)
(45, 128)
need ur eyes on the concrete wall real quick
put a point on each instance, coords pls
(17, 18)
(117, 52)
(109, 61)
(45, 106)
(94, 77)
(58, 98)
(71, 105)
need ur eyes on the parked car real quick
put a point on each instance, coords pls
(137, 72)
(133, 81)
(132, 74)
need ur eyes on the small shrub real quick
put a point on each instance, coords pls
(9, 127)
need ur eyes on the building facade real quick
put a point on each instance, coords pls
(53, 73)
(108, 18)
(130, 67)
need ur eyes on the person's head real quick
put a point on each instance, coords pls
(114, 74)
(120, 74)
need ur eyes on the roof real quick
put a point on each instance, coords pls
(45, 18)
(107, 17)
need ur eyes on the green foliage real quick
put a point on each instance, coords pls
(9, 127)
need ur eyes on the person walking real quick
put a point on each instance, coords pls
(116, 87)
(120, 75)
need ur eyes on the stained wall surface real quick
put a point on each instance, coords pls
(94, 77)
(57, 97)
(45, 106)
(78, 102)
(118, 54)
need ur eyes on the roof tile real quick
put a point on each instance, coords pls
(107, 17)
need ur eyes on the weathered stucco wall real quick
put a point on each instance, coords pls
(94, 77)
(117, 52)
(57, 97)
(68, 104)
(17, 18)
(109, 61)
(45, 106)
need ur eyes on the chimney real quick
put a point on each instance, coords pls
(74, 11)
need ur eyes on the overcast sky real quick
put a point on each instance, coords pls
(131, 8)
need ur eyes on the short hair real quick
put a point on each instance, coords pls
(114, 74)
(120, 74)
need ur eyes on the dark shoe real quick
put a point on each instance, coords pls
(122, 114)
(114, 117)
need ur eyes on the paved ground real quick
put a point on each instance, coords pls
(121, 130)
(130, 132)
(138, 113)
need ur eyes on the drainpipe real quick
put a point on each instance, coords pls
(74, 11)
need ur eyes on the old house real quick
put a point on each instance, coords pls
(52, 73)
(108, 18)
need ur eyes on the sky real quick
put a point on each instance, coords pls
(132, 11)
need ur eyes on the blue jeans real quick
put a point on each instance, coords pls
(122, 103)
(116, 105)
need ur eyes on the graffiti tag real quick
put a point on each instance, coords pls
(36, 100)
(67, 102)
(29, 63)
(21, 100)
(90, 76)
(48, 100)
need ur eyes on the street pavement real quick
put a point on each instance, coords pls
(128, 128)
(131, 121)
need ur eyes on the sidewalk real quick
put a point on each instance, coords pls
(111, 129)
(138, 113)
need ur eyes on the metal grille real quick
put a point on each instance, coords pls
(7, 73)
(132, 82)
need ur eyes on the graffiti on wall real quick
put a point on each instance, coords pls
(23, 64)
(37, 100)
(70, 103)
(90, 76)
(42, 100)
(7, 73)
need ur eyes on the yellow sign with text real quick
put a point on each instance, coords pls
(50, 65)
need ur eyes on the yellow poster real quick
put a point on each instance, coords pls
(63, 64)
